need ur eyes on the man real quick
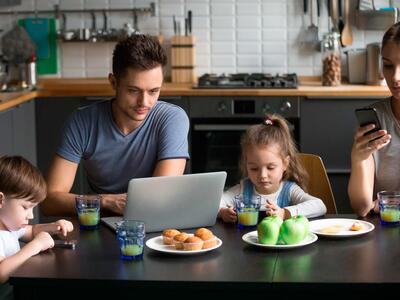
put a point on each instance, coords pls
(130, 136)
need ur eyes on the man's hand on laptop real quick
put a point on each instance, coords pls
(113, 202)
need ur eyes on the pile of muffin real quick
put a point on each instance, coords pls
(203, 238)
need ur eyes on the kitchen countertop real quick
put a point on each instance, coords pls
(61, 87)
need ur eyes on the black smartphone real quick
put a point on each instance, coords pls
(367, 116)
(65, 244)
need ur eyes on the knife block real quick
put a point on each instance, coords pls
(182, 59)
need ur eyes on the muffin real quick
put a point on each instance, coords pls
(204, 233)
(211, 242)
(207, 236)
(193, 243)
(179, 239)
(168, 236)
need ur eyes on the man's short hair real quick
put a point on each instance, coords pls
(140, 52)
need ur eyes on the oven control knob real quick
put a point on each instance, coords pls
(266, 108)
(221, 107)
(286, 105)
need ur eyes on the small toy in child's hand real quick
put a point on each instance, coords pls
(65, 244)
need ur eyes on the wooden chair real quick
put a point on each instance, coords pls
(318, 181)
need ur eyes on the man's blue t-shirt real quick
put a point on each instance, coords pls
(111, 158)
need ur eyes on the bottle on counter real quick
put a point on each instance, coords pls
(331, 59)
(30, 73)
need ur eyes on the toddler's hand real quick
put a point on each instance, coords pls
(273, 209)
(63, 227)
(44, 241)
(228, 215)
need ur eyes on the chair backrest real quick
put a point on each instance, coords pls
(318, 182)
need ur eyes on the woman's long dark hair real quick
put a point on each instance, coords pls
(392, 35)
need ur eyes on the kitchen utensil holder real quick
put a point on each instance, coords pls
(183, 59)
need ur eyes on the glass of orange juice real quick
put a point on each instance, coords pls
(389, 207)
(247, 211)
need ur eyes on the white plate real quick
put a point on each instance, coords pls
(252, 239)
(343, 225)
(156, 243)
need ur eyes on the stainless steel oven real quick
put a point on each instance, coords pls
(217, 124)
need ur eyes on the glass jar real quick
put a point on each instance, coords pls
(331, 60)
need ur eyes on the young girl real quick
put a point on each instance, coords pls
(22, 187)
(375, 156)
(273, 172)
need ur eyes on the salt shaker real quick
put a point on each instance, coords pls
(331, 59)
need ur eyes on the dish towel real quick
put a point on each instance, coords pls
(43, 33)
(38, 30)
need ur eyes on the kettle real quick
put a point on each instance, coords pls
(374, 65)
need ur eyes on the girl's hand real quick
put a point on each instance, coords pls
(227, 214)
(63, 227)
(274, 209)
(364, 146)
(43, 241)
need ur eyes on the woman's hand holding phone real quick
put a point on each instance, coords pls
(370, 136)
(368, 140)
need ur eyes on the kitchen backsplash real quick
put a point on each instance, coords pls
(231, 35)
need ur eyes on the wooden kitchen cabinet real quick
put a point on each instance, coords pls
(327, 127)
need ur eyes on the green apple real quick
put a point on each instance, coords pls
(268, 230)
(305, 222)
(294, 230)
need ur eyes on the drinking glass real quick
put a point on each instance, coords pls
(88, 210)
(389, 207)
(130, 235)
(247, 211)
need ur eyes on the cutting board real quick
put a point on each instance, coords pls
(43, 33)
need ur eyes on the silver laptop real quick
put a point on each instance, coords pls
(185, 201)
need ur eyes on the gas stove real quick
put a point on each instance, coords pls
(248, 81)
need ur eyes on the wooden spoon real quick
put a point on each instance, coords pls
(347, 35)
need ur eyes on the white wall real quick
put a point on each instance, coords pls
(232, 35)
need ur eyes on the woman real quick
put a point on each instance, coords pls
(375, 157)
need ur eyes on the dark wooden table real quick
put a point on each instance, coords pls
(368, 264)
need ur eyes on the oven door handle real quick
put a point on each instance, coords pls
(219, 127)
